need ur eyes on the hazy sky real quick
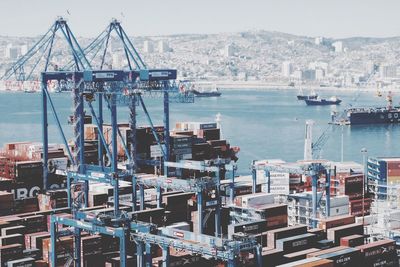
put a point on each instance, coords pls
(331, 18)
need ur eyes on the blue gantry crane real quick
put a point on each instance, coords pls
(96, 52)
(114, 85)
(313, 169)
(115, 88)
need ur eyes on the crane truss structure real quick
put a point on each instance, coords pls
(26, 70)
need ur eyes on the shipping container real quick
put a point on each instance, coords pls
(377, 248)
(284, 233)
(300, 255)
(345, 230)
(255, 227)
(25, 262)
(9, 253)
(296, 243)
(254, 200)
(326, 251)
(352, 240)
(346, 257)
(325, 244)
(309, 262)
(318, 232)
(326, 223)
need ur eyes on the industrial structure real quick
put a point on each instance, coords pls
(234, 215)
(118, 87)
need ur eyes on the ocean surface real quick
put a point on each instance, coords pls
(264, 124)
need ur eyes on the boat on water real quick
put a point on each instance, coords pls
(205, 93)
(322, 101)
(302, 96)
(369, 115)
(29, 91)
(213, 93)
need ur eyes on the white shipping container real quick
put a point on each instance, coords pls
(392, 225)
(394, 216)
(256, 199)
(368, 220)
(279, 182)
(339, 210)
(279, 189)
(336, 201)
(100, 188)
(180, 226)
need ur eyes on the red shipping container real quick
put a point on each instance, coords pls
(356, 207)
(393, 168)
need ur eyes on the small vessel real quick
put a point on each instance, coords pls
(322, 101)
(302, 96)
(29, 91)
(206, 93)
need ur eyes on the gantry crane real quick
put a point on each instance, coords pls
(116, 85)
(313, 169)
(119, 87)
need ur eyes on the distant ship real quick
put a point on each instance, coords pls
(29, 91)
(206, 93)
(323, 102)
(369, 115)
(302, 96)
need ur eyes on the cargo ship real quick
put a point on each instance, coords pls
(30, 91)
(202, 93)
(322, 101)
(205, 93)
(369, 115)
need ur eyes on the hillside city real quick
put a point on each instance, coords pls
(252, 57)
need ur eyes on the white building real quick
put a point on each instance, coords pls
(348, 80)
(12, 52)
(116, 60)
(318, 65)
(163, 47)
(24, 49)
(242, 76)
(229, 50)
(338, 46)
(287, 68)
(309, 75)
(319, 40)
(369, 67)
(387, 71)
(148, 47)
(319, 74)
(298, 74)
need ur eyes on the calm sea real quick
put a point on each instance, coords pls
(264, 124)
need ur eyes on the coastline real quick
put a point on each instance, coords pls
(250, 85)
(269, 86)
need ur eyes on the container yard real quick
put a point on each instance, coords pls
(123, 194)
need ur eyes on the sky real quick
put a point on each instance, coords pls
(329, 18)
